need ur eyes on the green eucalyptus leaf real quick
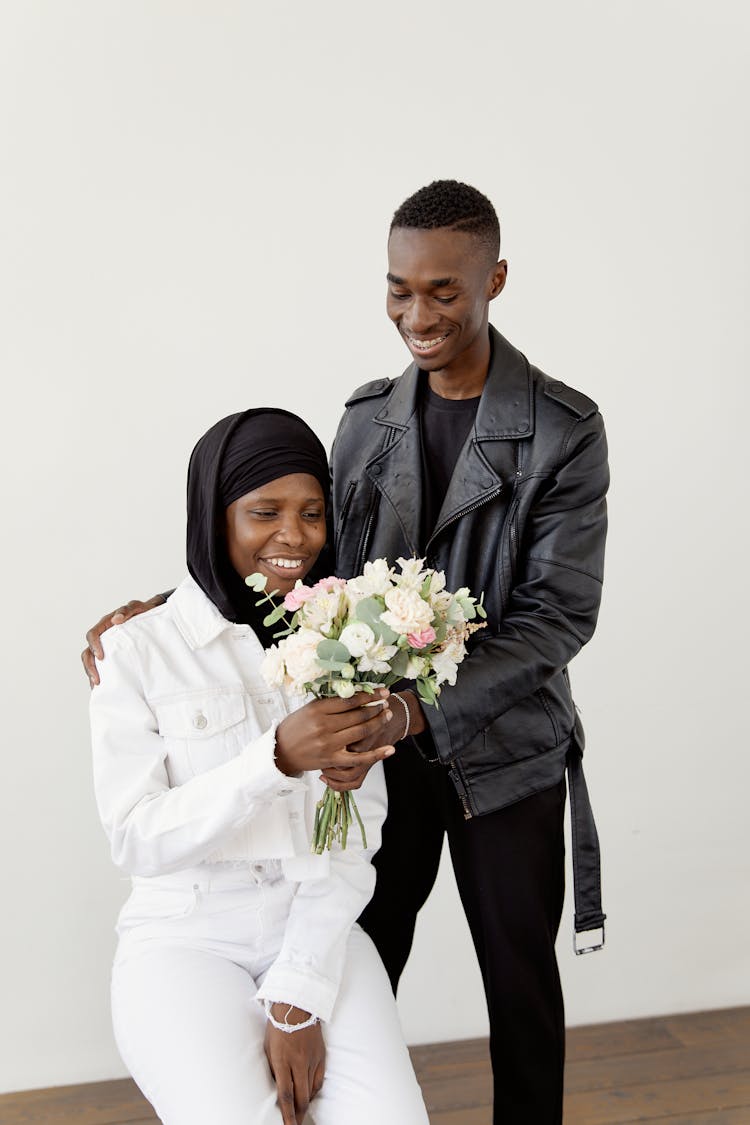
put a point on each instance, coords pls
(256, 581)
(275, 615)
(369, 611)
(331, 650)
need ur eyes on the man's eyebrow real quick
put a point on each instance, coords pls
(436, 283)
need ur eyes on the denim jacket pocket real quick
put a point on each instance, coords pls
(201, 730)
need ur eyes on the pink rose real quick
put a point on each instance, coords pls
(423, 638)
(297, 597)
(330, 584)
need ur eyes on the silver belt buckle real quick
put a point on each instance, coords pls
(580, 950)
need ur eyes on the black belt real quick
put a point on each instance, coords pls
(587, 882)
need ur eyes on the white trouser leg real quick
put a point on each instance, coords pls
(369, 1077)
(191, 1033)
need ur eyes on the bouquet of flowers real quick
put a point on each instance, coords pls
(367, 632)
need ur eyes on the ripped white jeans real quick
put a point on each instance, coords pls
(193, 951)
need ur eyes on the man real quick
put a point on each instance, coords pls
(476, 461)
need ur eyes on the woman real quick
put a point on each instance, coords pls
(242, 989)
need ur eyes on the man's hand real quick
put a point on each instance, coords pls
(297, 1062)
(94, 650)
(318, 736)
(351, 776)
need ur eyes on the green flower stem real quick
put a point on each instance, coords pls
(333, 818)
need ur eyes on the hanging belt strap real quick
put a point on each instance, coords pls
(587, 885)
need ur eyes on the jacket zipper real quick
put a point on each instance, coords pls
(465, 512)
(461, 791)
(365, 539)
(345, 506)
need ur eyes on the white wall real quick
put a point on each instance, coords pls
(195, 199)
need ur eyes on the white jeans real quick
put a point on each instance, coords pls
(193, 950)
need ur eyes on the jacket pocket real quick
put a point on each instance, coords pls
(201, 730)
(526, 730)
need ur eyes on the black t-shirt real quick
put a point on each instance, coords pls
(444, 425)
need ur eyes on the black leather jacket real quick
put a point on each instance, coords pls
(524, 520)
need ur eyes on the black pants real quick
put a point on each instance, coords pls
(509, 868)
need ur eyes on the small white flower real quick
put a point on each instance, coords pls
(415, 667)
(343, 688)
(377, 658)
(376, 578)
(320, 611)
(445, 669)
(412, 575)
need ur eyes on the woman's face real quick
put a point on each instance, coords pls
(278, 530)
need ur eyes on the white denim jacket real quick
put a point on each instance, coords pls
(183, 733)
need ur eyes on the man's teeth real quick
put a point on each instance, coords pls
(286, 564)
(425, 345)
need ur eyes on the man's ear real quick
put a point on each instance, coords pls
(498, 279)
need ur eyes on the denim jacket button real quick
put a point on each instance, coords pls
(200, 722)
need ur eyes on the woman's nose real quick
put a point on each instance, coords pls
(292, 532)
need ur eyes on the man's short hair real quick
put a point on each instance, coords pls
(448, 203)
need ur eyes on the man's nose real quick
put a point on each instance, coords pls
(420, 316)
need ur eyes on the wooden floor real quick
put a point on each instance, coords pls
(688, 1069)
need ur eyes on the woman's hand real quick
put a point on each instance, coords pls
(354, 773)
(318, 735)
(94, 650)
(297, 1062)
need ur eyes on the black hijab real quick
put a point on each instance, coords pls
(237, 455)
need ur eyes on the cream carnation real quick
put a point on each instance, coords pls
(406, 612)
(272, 668)
(301, 657)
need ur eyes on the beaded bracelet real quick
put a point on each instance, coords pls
(405, 705)
(287, 1028)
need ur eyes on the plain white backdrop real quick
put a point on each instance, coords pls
(195, 199)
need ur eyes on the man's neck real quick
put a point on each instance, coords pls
(466, 377)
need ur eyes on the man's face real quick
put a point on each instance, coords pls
(440, 283)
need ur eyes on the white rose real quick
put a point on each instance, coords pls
(272, 668)
(358, 638)
(406, 612)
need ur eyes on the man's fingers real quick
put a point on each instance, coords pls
(360, 728)
(344, 780)
(89, 667)
(343, 758)
(94, 634)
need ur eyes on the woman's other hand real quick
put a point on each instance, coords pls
(317, 736)
(297, 1062)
